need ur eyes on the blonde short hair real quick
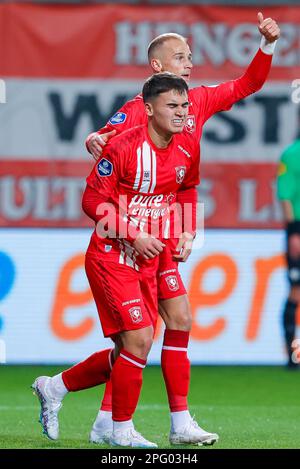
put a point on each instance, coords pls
(160, 40)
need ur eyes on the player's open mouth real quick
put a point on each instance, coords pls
(178, 121)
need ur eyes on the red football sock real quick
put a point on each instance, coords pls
(126, 378)
(176, 368)
(107, 398)
(94, 370)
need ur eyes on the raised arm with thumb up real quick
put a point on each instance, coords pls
(268, 28)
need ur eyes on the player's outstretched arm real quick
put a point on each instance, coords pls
(223, 96)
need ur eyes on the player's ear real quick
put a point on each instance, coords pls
(149, 109)
(156, 65)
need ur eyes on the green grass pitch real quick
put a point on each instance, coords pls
(250, 407)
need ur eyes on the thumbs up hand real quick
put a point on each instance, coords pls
(268, 28)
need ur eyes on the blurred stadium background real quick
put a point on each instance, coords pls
(66, 67)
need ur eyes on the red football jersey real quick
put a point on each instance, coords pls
(204, 101)
(141, 181)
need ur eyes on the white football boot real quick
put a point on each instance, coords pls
(191, 433)
(130, 437)
(49, 407)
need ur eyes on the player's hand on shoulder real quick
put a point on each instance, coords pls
(268, 28)
(148, 246)
(96, 142)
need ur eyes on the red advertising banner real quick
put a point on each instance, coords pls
(49, 194)
(103, 41)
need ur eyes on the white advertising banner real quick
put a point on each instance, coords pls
(50, 120)
(236, 284)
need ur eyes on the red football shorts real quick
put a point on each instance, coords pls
(169, 281)
(126, 299)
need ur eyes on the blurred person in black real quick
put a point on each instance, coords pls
(288, 186)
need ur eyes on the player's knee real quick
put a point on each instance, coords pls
(176, 314)
(143, 346)
(139, 342)
(182, 320)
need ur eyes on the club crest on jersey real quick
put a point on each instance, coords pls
(136, 314)
(190, 123)
(105, 167)
(118, 118)
(172, 283)
(180, 173)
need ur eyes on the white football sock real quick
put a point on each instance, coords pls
(104, 414)
(103, 419)
(180, 419)
(120, 426)
(56, 388)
